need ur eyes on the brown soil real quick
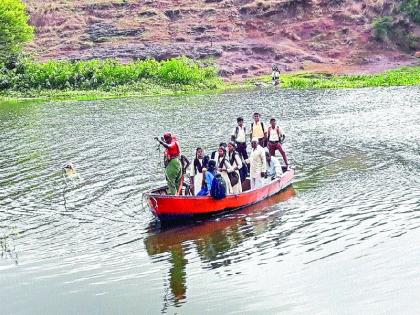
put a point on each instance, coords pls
(245, 37)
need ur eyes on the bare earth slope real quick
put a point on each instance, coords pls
(245, 37)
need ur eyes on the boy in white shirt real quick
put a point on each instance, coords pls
(239, 136)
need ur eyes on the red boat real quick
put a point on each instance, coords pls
(169, 207)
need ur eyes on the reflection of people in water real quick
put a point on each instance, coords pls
(177, 273)
(215, 241)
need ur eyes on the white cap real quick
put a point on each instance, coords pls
(254, 139)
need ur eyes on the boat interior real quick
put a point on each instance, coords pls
(246, 185)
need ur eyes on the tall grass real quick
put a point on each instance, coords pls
(103, 74)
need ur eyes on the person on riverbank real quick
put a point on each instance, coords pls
(258, 130)
(258, 164)
(275, 137)
(173, 167)
(196, 172)
(223, 168)
(275, 75)
(236, 163)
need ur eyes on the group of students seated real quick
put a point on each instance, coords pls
(231, 164)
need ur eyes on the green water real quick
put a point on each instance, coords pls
(343, 240)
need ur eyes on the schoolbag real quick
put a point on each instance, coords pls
(281, 137)
(218, 187)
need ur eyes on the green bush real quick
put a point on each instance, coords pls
(412, 9)
(102, 74)
(382, 27)
(14, 28)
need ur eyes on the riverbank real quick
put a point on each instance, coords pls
(198, 80)
(405, 76)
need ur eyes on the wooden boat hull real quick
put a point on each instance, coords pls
(169, 207)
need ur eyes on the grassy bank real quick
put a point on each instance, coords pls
(397, 77)
(83, 80)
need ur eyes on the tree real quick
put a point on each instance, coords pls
(14, 28)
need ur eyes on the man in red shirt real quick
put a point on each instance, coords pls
(173, 167)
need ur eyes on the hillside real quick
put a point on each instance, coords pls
(244, 37)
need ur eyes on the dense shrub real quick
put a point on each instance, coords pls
(382, 27)
(412, 9)
(101, 74)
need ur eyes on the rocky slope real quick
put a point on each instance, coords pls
(245, 37)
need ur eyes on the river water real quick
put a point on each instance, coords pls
(344, 240)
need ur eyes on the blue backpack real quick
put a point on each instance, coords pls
(218, 187)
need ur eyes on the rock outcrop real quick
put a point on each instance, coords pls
(244, 37)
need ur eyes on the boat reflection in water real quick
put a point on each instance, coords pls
(213, 239)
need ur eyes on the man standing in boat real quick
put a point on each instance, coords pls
(258, 131)
(258, 164)
(173, 167)
(275, 137)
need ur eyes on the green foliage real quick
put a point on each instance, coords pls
(403, 76)
(107, 75)
(412, 9)
(382, 27)
(14, 28)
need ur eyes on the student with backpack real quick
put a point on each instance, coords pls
(275, 136)
(196, 171)
(224, 169)
(208, 176)
(239, 136)
(215, 154)
(258, 131)
(213, 183)
(236, 163)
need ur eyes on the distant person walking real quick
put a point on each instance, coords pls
(275, 75)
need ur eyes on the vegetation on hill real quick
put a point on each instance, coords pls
(14, 28)
(22, 76)
(395, 28)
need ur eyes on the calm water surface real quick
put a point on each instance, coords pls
(344, 240)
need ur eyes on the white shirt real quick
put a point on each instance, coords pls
(241, 134)
(273, 134)
(237, 161)
(257, 161)
(192, 168)
(274, 168)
